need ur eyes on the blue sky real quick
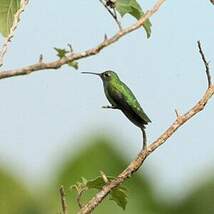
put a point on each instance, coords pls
(44, 114)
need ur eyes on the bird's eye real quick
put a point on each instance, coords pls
(107, 74)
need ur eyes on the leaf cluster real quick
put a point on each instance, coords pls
(118, 195)
(61, 53)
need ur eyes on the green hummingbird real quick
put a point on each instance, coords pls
(122, 98)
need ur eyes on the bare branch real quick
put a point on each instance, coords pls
(205, 63)
(79, 195)
(63, 200)
(113, 14)
(8, 39)
(137, 163)
(90, 52)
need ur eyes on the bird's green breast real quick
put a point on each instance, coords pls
(109, 89)
(120, 96)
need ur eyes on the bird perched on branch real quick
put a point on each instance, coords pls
(122, 98)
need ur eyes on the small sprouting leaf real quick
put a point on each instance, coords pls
(61, 52)
(80, 186)
(84, 181)
(119, 195)
(74, 186)
(133, 8)
(74, 64)
(8, 9)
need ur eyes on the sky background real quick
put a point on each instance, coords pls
(48, 113)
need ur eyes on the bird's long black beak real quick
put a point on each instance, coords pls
(91, 73)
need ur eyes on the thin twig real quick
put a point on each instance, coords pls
(114, 15)
(63, 200)
(40, 58)
(105, 37)
(90, 52)
(177, 113)
(70, 48)
(205, 63)
(137, 163)
(16, 21)
(78, 198)
(116, 19)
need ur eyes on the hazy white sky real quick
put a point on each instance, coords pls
(44, 114)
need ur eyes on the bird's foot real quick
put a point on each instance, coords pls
(144, 147)
(111, 107)
(144, 139)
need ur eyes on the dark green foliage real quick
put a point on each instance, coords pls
(14, 197)
(119, 195)
(199, 201)
(99, 154)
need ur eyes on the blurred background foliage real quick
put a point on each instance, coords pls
(99, 154)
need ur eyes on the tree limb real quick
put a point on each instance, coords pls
(79, 55)
(137, 163)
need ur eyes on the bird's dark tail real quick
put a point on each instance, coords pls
(144, 138)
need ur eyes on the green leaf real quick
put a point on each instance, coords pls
(8, 8)
(74, 64)
(98, 182)
(61, 52)
(133, 8)
(119, 195)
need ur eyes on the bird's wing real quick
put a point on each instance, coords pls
(129, 103)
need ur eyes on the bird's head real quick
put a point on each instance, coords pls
(106, 75)
(109, 75)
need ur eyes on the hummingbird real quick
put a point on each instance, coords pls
(122, 98)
